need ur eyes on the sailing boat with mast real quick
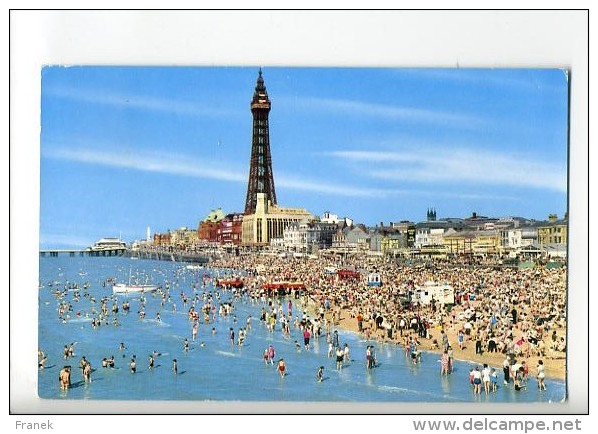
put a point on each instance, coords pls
(125, 288)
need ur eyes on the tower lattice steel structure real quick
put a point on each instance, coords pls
(261, 179)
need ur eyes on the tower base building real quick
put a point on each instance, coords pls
(268, 222)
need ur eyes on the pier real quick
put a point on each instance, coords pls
(83, 252)
(138, 254)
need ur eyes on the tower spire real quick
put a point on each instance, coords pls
(261, 179)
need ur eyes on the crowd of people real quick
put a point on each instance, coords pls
(497, 311)
(500, 316)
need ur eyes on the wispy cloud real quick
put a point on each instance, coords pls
(385, 111)
(332, 189)
(184, 165)
(500, 78)
(149, 162)
(139, 102)
(432, 165)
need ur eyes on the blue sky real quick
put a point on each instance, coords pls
(124, 148)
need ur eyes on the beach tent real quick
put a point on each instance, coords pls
(374, 279)
(441, 293)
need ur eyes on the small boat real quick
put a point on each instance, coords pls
(124, 288)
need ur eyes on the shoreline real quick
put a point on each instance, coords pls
(341, 313)
(554, 369)
(343, 317)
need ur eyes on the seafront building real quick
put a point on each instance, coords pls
(268, 222)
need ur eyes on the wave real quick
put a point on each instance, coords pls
(82, 319)
(226, 353)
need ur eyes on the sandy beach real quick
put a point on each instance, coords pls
(522, 311)
(554, 368)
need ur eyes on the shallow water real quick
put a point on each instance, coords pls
(219, 371)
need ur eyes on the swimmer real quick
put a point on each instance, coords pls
(340, 355)
(320, 374)
(42, 362)
(87, 372)
(194, 330)
(174, 366)
(186, 345)
(133, 366)
(64, 377)
(151, 362)
(82, 363)
(282, 368)
(541, 375)
(494, 380)
(297, 346)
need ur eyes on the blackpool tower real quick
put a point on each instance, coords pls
(261, 179)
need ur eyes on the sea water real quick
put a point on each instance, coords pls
(213, 369)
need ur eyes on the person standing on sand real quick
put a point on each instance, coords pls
(506, 369)
(445, 341)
